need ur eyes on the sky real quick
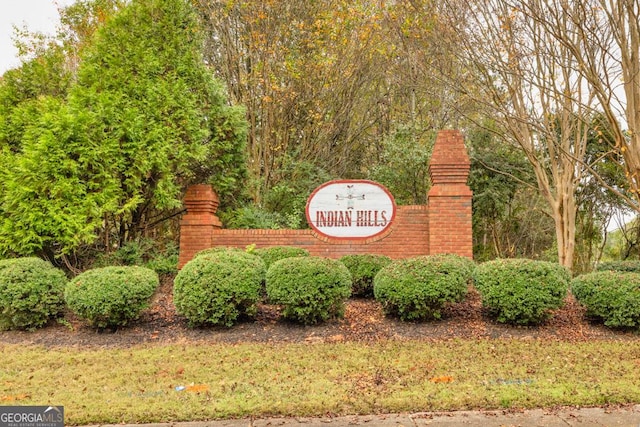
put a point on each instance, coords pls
(37, 15)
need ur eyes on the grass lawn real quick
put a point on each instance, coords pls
(162, 383)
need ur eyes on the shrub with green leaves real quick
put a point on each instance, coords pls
(145, 253)
(31, 293)
(363, 269)
(310, 289)
(627, 265)
(110, 297)
(275, 253)
(219, 287)
(610, 296)
(521, 291)
(218, 249)
(419, 288)
(165, 262)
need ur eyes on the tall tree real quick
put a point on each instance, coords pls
(605, 44)
(528, 82)
(328, 82)
(44, 199)
(157, 106)
(509, 217)
(143, 119)
(293, 64)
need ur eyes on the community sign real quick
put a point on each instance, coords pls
(350, 209)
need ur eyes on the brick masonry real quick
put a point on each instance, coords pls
(441, 226)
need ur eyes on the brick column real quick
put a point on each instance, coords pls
(449, 199)
(198, 223)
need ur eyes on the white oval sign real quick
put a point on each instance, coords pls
(350, 209)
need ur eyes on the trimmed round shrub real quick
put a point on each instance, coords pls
(217, 288)
(31, 293)
(363, 269)
(310, 289)
(419, 288)
(521, 291)
(610, 296)
(218, 249)
(628, 265)
(110, 297)
(276, 253)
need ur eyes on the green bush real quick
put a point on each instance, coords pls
(363, 269)
(628, 265)
(109, 297)
(276, 253)
(163, 259)
(419, 288)
(310, 289)
(252, 217)
(218, 287)
(521, 291)
(218, 249)
(31, 293)
(164, 263)
(130, 253)
(611, 296)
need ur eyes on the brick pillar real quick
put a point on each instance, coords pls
(198, 223)
(449, 199)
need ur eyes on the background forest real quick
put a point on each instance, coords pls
(104, 126)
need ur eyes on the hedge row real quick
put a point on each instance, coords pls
(222, 285)
(521, 291)
(219, 287)
(419, 288)
(110, 297)
(33, 291)
(313, 289)
(610, 296)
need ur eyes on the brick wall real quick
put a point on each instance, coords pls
(441, 226)
(449, 199)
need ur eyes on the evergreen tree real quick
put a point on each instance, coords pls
(143, 119)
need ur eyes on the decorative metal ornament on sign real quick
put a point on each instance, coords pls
(350, 209)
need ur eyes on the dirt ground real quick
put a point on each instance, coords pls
(364, 321)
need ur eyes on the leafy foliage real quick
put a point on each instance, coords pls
(31, 293)
(143, 253)
(252, 217)
(131, 253)
(363, 269)
(170, 122)
(217, 250)
(110, 297)
(521, 291)
(611, 296)
(632, 266)
(216, 288)
(596, 201)
(56, 186)
(404, 165)
(275, 253)
(282, 205)
(344, 77)
(142, 119)
(418, 288)
(507, 219)
(310, 289)
(164, 261)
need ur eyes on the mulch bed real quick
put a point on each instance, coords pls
(364, 321)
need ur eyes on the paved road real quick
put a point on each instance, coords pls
(583, 417)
